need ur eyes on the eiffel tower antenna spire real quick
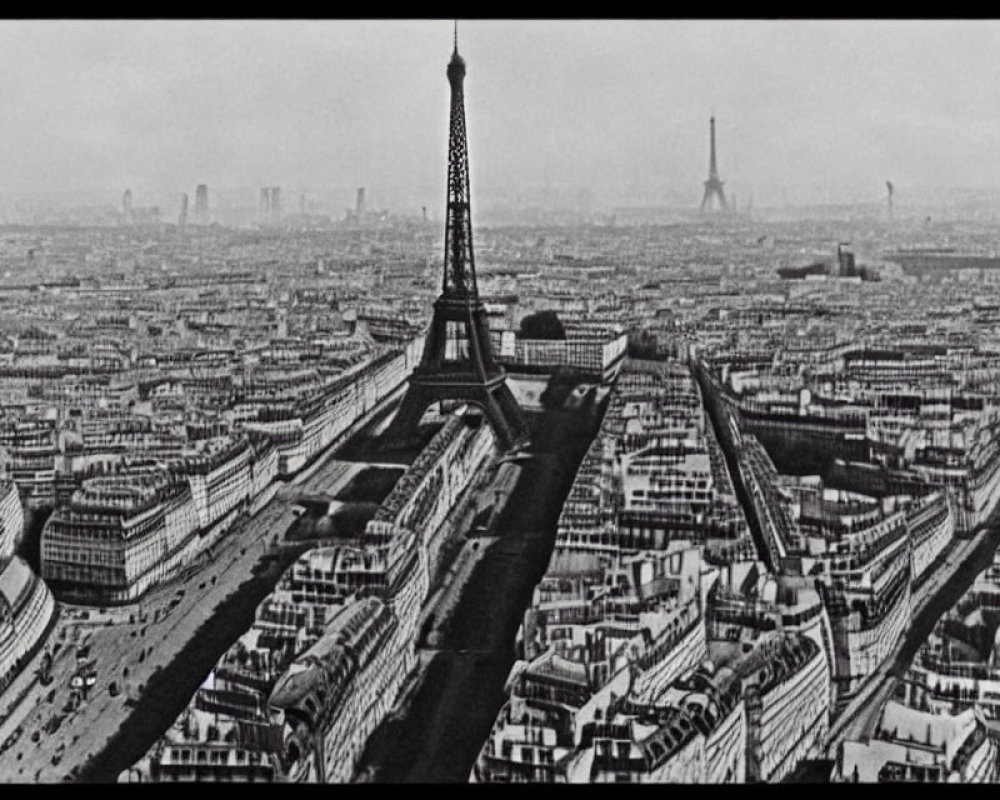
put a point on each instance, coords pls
(456, 35)
(713, 169)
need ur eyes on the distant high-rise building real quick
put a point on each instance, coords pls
(265, 203)
(182, 220)
(127, 207)
(201, 205)
(845, 260)
(302, 204)
(424, 209)
(275, 202)
(359, 203)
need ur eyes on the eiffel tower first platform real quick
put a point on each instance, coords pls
(458, 362)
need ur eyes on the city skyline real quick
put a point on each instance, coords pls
(807, 111)
(650, 496)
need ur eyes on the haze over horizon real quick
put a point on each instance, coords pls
(600, 113)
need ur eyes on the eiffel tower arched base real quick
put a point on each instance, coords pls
(713, 189)
(493, 397)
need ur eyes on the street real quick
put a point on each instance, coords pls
(148, 637)
(964, 560)
(436, 733)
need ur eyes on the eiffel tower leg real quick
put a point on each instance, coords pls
(505, 416)
(502, 428)
(714, 190)
(511, 413)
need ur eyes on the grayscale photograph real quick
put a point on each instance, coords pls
(499, 401)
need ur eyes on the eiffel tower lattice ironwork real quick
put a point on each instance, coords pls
(458, 362)
(713, 186)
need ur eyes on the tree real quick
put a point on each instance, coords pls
(644, 345)
(542, 325)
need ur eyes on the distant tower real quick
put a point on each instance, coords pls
(275, 202)
(182, 221)
(458, 362)
(127, 217)
(302, 204)
(265, 204)
(359, 203)
(424, 210)
(201, 205)
(891, 189)
(713, 186)
(845, 260)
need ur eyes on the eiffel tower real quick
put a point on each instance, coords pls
(458, 361)
(713, 186)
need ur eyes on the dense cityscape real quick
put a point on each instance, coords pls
(643, 495)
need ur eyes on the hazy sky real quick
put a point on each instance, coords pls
(616, 108)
